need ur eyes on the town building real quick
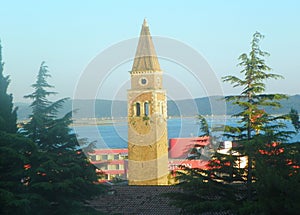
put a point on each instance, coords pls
(113, 163)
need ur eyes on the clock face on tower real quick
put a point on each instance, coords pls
(143, 81)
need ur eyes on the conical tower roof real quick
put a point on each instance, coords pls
(145, 56)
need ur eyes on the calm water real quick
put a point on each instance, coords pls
(115, 135)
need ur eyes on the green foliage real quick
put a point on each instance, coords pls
(278, 183)
(252, 99)
(253, 119)
(43, 171)
(260, 135)
(145, 118)
(204, 128)
(8, 114)
(208, 190)
(64, 180)
(44, 128)
(270, 182)
(15, 154)
(214, 188)
(62, 176)
(15, 164)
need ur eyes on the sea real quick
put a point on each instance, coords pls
(114, 134)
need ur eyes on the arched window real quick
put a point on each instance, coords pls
(138, 109)
(146, 108)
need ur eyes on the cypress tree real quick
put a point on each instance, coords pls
(16, 156)
(8, 114)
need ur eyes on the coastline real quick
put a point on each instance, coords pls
(122, 120)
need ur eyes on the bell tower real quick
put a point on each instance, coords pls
(147, 117)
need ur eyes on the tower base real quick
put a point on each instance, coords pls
(157, 181)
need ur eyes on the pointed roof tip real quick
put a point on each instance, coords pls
(145, 23)
(145, 56)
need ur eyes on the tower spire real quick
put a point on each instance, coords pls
(145, 23)
(145, 56)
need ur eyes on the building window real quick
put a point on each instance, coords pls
(146, 108)
(138, 109)
(111, 167)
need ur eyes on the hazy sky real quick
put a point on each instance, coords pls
(68, 35)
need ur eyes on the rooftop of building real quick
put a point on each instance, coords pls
(124, 199)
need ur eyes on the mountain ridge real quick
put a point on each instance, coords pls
(104, 108)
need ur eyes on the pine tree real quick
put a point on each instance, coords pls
(272, 168)
(43, 125)
(253, 119)
(8, 114)
(64, 177)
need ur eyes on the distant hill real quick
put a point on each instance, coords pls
(189, 107)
